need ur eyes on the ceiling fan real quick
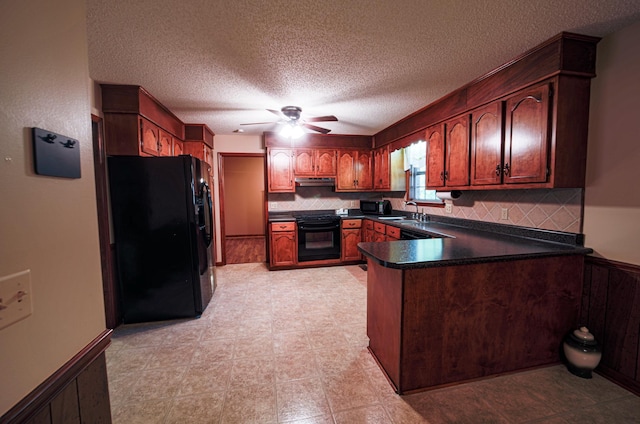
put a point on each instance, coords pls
(290, 115)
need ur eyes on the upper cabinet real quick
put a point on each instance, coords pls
(532, 138)
(435, 156)
(527, 131)
(137, 124)
(486, 144)
(448, 153)
(315, 162)
(381, 168)
(354, 170)
(149, 140)
(280, 171)
(526, 122)
(457, 137)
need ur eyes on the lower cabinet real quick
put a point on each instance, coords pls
(351, 236)
(284, 245)
(368, 234)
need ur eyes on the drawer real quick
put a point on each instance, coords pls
(351, 223)
(283, 226)
(379, 227)
(393, 231)
(368, 224)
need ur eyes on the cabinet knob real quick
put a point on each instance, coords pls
(498, 170)
(442, 175)
(506, 170)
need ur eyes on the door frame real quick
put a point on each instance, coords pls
(109, 288)
(221, 156)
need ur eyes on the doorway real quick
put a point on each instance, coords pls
(242, 207)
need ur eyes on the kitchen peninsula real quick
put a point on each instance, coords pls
(470, 304)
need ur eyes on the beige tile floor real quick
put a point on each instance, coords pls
(290, 347)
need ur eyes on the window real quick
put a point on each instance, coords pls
(415, 163)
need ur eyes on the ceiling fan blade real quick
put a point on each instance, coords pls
(321, 119)
(277, 113)
(317, 129)
(260, 123)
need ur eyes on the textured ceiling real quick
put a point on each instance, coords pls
(368, 62)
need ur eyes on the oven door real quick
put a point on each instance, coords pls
(318, 241)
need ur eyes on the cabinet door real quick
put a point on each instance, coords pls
(207, 154)
(178, 147)
(304, 163)
(165, 144)
(283, 248)
(435, 156)
(325, 162)
(350, 240)
(381, 169)
(486, 145)
(346, 178)
(149, 138)
(364, 170)
(527, 136)
(280, 172)
(457, 151)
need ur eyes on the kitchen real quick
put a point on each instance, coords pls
(608, 212)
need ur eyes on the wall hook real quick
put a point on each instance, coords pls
(69, 144)
(48, 138)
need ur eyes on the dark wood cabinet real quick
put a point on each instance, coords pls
(455, 307)
(149, 138)
(392, 233)
(486, 144)
(354, 170)
(457, 139)
(283, 244)
(351, 236)
(448, 158)
(527, 130)
(315, 162)
(165, 144)
(368, 233)
(280, 169)
(381, 169)
(435, 156)
(136, 124)
(178, 147)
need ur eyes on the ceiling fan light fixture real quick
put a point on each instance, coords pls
(292, 130)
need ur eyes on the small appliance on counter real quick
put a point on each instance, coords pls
(375, 207)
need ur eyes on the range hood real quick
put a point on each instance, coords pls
(315, 182)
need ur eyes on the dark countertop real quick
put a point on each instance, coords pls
(458, 241)
(460, 246)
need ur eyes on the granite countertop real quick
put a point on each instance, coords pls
(458, 245)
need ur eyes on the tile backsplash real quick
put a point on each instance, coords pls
(552, 209)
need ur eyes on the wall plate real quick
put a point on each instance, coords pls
(15, 298)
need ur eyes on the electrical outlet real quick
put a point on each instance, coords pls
(273, 205)
(15, 298)
(504, 214)
(448, 207)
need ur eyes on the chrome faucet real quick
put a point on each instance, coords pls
(416, 215)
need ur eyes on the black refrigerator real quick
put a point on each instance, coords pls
(163, 230)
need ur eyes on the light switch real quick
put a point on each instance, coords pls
(15, 298)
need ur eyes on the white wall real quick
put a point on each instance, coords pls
(612, 196)
(47, 225)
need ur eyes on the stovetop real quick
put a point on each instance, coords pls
(312, 216)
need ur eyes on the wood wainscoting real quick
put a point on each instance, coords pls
(245, 249)
(611, 311)
(77, 393)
